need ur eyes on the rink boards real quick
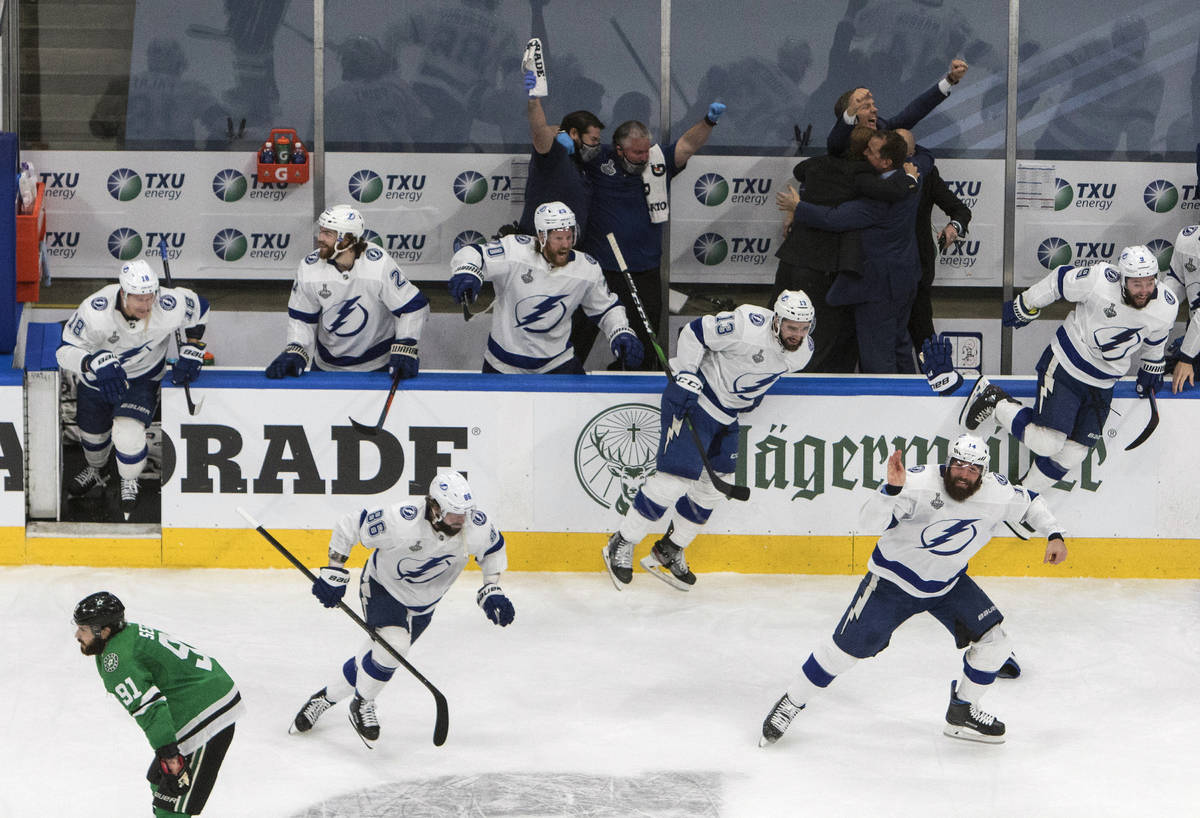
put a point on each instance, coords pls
(554, 461)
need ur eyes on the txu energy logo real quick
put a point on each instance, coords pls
(124, 184)
(468, 237)
(124, 243)
(1063, 194)
(1160, 196)
(229, 185)
(365, 186)
(470, 187)
(230, 244)
(614, 453)
(711, 189)
(1053, 252)
(710, 249)
(1163, 250)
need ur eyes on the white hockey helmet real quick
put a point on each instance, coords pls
(343, 220)
(970, 449)
(1136, 261)
(554, 216)
(137, 278)
(795, 305)
(452, 494)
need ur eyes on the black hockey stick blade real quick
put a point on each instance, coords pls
(364, 429)
(1151, 425)
(192, 406)
(441, 725)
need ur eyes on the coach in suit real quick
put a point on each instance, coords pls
(934, 191)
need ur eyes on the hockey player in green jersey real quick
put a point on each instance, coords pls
(184, 701)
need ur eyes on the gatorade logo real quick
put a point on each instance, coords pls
(229, 185)
(470, 187)
(124, 243)
(1054, 252)
(710, 249)
(1160, 196)
(365, 186)
(711, 189)
(124, 184)
(230, 244)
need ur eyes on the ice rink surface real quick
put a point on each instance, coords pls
(642, 703)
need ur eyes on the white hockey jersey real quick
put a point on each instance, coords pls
(738, 356)
(416, 564)
(1183, 279)
(351, 318)
(140, 345)
(1103, 335)
(930, 537)
(531, 320)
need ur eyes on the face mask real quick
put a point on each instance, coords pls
(588, 152)
(630, 167)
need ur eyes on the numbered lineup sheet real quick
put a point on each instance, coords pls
(1035, 185)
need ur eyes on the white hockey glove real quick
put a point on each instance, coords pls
(495, 604)
(534, 66)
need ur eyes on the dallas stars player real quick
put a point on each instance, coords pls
(184, 701)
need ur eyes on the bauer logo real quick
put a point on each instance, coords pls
(61, 244)
(1160, 196)
(710, 249)
(365, 186)
(1090, 195)
(230, 244)
(124, 184)
(468, 237)
(1053, 252)
(470, 187)
(59, 185)
(615, 453)
(1163, 250)
(124, 243)
(961, 254)
(711, 189)
(229, 185)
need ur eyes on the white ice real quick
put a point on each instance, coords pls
(647, 702)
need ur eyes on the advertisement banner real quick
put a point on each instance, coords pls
(12, 457)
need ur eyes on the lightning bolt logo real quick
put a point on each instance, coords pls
(860, 604)
(938, 536)
(347, 309)
(1114, 342)
(530, 313)
(423, 572)
(675, 428)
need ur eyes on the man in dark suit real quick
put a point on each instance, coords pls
(882, 296)
(933, 191)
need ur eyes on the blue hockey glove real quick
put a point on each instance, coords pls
(103, 370)
(566, 141)
(714, 112)
(292, 361)
(330, 585)
(682, 393)
(938, 366)
(1149, 378)
(404, 358)
(465, 286)
(627, 349)
(495, 604)
(1016, 314)
(187, 366)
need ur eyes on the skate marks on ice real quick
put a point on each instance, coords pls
(671, 794)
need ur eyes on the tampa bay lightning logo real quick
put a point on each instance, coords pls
(167, 302)
(418, 571)
(1115, 343)
(948, 537)
(478, 517)
(540, 313)
(409, 512)
(752, 382)
(349, 319)
(100, 303)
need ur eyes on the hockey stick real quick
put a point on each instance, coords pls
(468, 315)
(193, 408)
(363, 428)
(442, 724)
(1151, 425)
(728, 489)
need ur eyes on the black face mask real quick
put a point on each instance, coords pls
(630, 167)
(587, 153)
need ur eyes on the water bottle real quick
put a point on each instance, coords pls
(267, 154)
(283, 149)
(299, 157)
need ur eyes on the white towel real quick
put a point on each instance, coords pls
(532, 61)
(654, 179)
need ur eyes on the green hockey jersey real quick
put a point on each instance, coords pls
(173, 691)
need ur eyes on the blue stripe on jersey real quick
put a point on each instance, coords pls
(1078, 360)
(306, 317)
(606, 311)
(350, 360)
(1062, 275)
(928, 586)
(1153, 343)
(495, 547)
(362, 516)
(712, 397)
(697, 327)
(415, 303)
(513, 359)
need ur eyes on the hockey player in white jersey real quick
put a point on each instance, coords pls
(116, 341)
(418, 551)
(1183, 279)
(1120, 312)
(934, 518)
(724, 365)
(538, 286)
(351, 309)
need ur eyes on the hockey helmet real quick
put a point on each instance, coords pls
(450, 491)
(971, 450)
(100, 610)
(795, 305)
(137, 278)
(554, 216)
(1137, 261)
(343, 220)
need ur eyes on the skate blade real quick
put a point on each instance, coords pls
(293, 730)
(763, 741)
(370, 745)
(616, 581)
(655, 567)
(954, 731)
(980, 384)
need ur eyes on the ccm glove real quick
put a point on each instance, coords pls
(175, 778)
(292, 361)
(104, 371)
(682, 393)
(187, 366)
(627, 349)
(495, 604)
(330, 585)
(465, 285)
(938, 366)
(404, 358)
(1149, 378)
(1016, 314)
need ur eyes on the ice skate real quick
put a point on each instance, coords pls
(618, 559)
(666, 561)
(362, 716)
(129, 496)
(85, 481)
(980, 406)
(778, 720)
(966, 721)
(317, 704)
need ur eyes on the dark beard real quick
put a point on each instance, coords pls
(442, 528)
(956, 492)
(94, 649)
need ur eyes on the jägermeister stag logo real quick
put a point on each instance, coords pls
(614, 453)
